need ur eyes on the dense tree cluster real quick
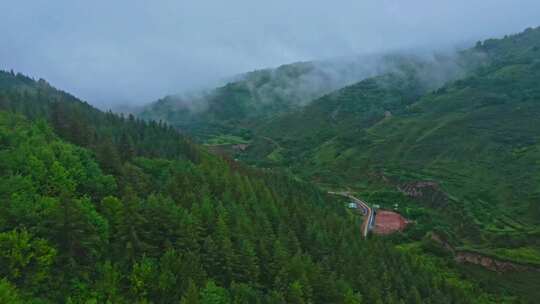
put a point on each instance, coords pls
(114, 138)
(96, 208)
(477, 137)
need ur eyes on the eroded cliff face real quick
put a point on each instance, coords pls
(489, 262)
(431, 193)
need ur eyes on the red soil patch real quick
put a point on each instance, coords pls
(387, 222)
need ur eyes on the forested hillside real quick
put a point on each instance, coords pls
(255, 95)
(388, 122)
(474, 142)
(227, 114)
(98, 208)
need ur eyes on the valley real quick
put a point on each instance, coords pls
(368, 154)
(104, 208)
(459, 156)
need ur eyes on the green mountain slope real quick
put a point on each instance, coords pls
(344, 114)
(110, 135)
(254, 95)
(232, 110)
(96, 208)
(477, 138)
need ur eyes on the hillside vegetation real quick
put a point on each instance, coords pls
(452, 143)
(477, 138)
(98, 208)
(238, 106)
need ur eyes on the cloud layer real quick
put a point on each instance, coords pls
(130, 52)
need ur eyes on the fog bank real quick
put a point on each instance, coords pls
(130, 52)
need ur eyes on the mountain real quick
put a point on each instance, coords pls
(467, 151)
(452, 143)
(229, 112)
(101, 208)
(254, 95)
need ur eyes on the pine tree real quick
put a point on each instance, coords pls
(226, 254)
(109, 285)
(247, 269)
(108, 157)
(352, 298)
(8, 293)
(244, 294)
(211, 259)
(79, 232)
(295, 294)
(192, 294)
(130, 231)
(126, 147)
(213, 294)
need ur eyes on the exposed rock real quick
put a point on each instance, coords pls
(490, 263)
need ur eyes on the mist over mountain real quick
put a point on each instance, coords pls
(259, 95)
(133, 52)
(302, 152)
(304, 81)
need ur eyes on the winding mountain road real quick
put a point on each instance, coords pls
(369, 215)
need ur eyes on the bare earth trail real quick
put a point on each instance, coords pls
(369, 216)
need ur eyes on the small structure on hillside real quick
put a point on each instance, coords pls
(240, 147)
(352, 205)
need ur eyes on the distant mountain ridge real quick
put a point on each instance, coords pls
(262, 94)
(477, 139)
(101, 208)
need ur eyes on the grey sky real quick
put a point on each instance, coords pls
(119, 51)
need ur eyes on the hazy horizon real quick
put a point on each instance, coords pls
(133, 52)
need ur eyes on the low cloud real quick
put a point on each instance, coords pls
(132, 52)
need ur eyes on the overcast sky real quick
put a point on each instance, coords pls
(120, 51)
